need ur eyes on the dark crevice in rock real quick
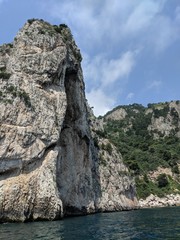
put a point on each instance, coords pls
(77, 182)
(73, 111)
(10, 173)
(37, 162)
(25, 166)
(73, 211)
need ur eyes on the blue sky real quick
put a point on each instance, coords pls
(130, 48)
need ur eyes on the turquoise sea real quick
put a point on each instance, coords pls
(159, 223)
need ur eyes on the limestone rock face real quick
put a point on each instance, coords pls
(155, 201)
(168, 124)
(117, 186)
(49, 165)
(118, 114)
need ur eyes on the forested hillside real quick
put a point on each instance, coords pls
(149, 140)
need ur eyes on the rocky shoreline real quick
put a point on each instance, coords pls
(153, 201)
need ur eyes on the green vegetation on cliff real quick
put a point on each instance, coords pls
(141, 150)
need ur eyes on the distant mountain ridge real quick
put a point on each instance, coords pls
(163, 118)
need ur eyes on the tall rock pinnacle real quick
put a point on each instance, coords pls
(49, 164)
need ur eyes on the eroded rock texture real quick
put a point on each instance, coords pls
(49, 165)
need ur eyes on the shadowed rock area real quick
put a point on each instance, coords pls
(50, 166)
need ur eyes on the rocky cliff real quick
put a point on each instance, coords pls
(50, 164)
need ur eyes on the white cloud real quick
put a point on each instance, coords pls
(117, 68)
(101, 23)
(104, 24)
(100, 101)
(142, 15)
(106, 72)
(177, 12)
(154, 84)
(130, 96)
(102, 75)
(163, 33)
